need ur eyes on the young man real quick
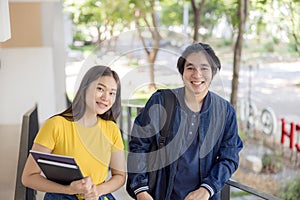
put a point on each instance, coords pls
(201, 151)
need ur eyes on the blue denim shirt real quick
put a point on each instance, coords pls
(219, 144)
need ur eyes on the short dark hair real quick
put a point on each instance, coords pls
(197, 47)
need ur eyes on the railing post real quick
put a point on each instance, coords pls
(129, 120)
(121, 122)
(225, 193)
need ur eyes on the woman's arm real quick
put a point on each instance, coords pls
(32, 178)
(118, 174)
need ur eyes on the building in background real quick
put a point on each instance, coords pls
(32, 61)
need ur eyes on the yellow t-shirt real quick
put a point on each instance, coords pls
(90, 146)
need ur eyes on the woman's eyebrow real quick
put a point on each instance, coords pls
(101, 84)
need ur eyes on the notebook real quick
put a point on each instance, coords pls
(57, 168)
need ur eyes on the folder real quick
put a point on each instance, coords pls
(57, 168)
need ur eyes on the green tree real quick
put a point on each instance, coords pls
(290, 10)
(105, 16)
(171, 13)
(148, 20)
(243, 8)
(230, 13)
(198, 9)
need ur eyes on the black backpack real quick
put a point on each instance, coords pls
(169, 102)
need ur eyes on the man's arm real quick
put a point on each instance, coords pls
(143, 133)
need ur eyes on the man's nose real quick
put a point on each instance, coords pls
(197, 71)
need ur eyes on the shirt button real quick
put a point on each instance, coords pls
(192, 124)
(190, 132)
(194, 115)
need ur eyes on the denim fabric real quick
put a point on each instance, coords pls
(55, 196)
(219, 144)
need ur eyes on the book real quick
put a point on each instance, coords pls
(57, 168)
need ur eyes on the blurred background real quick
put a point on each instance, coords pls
(46, 45)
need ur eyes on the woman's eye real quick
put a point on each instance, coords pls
(100, 89)
(112, 94)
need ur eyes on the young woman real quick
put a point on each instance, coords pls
(86, 131)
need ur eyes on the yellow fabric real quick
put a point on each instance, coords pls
(79, 197)
(90, 146)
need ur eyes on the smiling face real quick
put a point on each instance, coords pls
(197, 75)
(101, 95)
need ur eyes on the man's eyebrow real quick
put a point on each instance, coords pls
(101, 84)
(204, 64)
(192, 64)
(189, 64)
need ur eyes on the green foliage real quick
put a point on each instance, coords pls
(279, 21)
(269, 46)
(292, 48)
(276, 40)
(79, 36)
(291, 190)
(224, 42)
(272, 163)
(172, 14)
(238, 194)
(242, 134)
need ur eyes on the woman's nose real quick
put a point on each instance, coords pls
(104, 96)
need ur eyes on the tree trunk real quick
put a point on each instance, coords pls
(243, 12)
(197, 11)
(151, 58)
(151, 51)
(297, 43)
(196, 27)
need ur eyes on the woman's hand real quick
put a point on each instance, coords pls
(81, 186)
(92, 194)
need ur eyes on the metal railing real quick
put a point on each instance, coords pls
(30, 127)
(225, 193)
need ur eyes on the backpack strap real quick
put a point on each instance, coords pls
(169, 103)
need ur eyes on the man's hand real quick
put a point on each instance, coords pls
(144, 196)
(200, 194)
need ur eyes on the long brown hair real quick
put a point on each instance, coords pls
(77, 108)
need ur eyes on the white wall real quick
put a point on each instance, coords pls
(26, 77)
(53, 36)
(35, 74)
